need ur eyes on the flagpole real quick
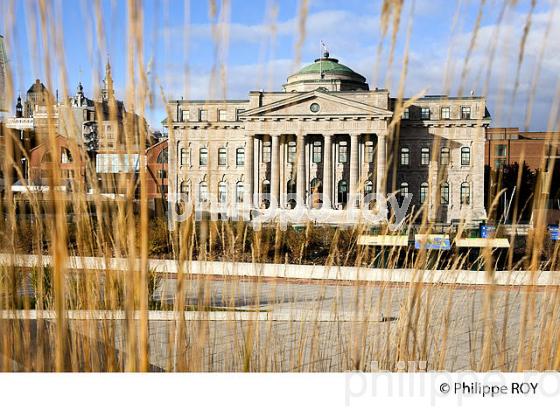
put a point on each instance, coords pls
(321, 59)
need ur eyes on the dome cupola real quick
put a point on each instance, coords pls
(328, 73)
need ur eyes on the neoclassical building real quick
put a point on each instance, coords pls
(327, 141)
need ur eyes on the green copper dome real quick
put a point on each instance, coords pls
(326, 65)
(326, 73)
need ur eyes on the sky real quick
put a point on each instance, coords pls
(215, 50)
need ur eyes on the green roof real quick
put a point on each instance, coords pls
(325, 65)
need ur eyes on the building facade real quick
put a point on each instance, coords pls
(508, 146)
(327, 141)
(106, 133)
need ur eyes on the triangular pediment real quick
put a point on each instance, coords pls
(328, 105)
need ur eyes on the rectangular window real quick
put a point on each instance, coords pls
(425, 113)
(267, 150)
(222, 157)
(203, 156)
(466, 113)
(317, 152)
(203, 115)
(222, 192)
(185, 115)
(465, 156)
(444, 194)
(444, 158)
(405, 156)
(368, 157)
(406, 114)
(222, 115)
(445, 113)
(425, 157)
(184, 156)
(343, 152)
(203, 197)
(240, 157)
(465, 193)
(292, 149)
(423, 192)
(500, 150)
(239, 193)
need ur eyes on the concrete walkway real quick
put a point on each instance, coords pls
(302, 272)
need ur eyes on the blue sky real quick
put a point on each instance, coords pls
(183, 56)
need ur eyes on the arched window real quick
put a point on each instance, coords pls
(423, 192)
(222, 192)
(316, 186)
(465, 156)
(368, 187)
(163, 155)
(405, 156)
(239, 192)
(342, 191)
(240, 157)
(444, 157)
(203, 156)
(404, 189)
(222, 156)
(266, 193)
(291, 188)
(266, 186)
(444, 193)
(425, 156)
(65, 156)
(185, 190)
(203, 192)
(465, 193)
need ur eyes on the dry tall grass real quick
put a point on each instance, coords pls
(439, 327)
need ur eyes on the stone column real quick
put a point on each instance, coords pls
(300, 170)
(327, 172)
(381, 163)
(353, 170)
(249, 170)
(275, 171)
